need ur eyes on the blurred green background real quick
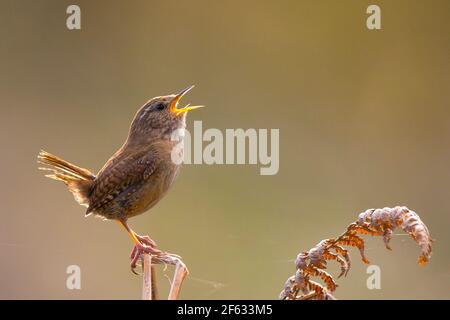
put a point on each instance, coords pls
(363, 116)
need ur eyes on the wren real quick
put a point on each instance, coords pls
(137, 176)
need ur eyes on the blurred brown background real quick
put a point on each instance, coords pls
(363, 117)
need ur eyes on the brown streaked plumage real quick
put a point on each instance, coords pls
(137, 176)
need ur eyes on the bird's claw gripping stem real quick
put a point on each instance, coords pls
(139, 250)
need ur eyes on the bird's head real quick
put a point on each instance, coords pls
(162, 115)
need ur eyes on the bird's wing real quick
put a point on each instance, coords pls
(128, 172)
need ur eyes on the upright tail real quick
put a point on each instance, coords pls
(79, 181)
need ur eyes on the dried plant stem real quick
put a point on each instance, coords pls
(147, 279)
(180, 274)
(149, 286)
(155, 293)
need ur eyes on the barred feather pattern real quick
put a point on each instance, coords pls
(374, 222)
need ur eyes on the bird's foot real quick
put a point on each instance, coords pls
(146, 240)
(147, 247)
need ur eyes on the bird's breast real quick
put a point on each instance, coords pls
(153, 190)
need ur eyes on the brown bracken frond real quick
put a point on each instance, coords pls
(374, 222)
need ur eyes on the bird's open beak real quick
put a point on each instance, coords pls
(174, 103)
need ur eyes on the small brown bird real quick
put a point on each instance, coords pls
(137, 176)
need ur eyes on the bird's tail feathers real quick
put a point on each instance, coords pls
(79, 181)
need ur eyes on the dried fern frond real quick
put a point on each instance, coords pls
(375, 222)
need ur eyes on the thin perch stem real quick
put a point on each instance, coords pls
(180, 274)
(147, 280)
(149, 287)
(155, 293)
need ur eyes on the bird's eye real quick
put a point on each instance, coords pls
(160, 106)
